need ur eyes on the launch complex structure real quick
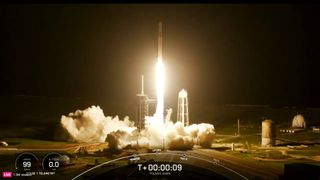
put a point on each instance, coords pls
(143, 107)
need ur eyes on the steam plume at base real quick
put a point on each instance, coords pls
(91, 125)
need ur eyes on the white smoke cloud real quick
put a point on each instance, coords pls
(91, 125)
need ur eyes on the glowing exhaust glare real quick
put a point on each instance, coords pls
(159, 116)
(91, 125)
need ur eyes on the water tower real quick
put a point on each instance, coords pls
(183, 111)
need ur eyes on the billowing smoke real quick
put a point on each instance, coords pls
(91, 125)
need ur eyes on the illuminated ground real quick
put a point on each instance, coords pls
(248, 158)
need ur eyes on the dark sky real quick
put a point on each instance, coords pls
(221, 53)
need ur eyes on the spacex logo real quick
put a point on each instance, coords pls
(7, 174)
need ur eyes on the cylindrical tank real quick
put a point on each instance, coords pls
(268, 134)
(298, 121)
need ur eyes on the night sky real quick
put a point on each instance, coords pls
(221, 53)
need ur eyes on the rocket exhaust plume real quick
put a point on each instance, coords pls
(159, 117)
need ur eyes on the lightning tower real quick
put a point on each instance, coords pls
(183, 111)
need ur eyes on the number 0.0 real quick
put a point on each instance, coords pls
(53, 164)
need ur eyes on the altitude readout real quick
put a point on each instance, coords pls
(52, 161)
(160, 167)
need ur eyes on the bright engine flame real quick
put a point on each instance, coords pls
(160, 76)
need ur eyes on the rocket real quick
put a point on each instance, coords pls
(160, 41)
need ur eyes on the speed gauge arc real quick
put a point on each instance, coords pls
(26, 162)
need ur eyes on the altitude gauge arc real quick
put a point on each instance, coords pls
(52, 161)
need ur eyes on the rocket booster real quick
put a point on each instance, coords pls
(160, 41)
